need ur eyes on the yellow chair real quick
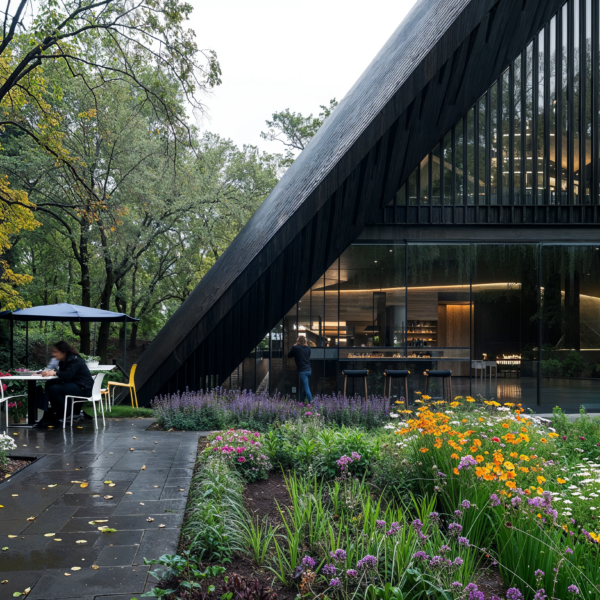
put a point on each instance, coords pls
(130, 385)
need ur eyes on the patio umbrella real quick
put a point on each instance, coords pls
(62, 312)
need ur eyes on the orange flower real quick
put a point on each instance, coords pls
(456, 471)
(454, 456)
(527, 492)
(511, 484)
(559, 480)
(544, 441)
(479, 458)
(423, 450)
(505, 425)
(541, 479)
(514, 455)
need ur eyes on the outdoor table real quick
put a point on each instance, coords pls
(31, 396)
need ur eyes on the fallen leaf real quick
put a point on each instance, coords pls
(31, 519)
(156, 442)
(129, 493)
(134, 437)
(149, 519)
(81, 542)
(84, 485)
(107, 529)
(49, 534)
(17, 594)
(112, 484)
(26, 591)
(67, 574)
(5, 548)
(98, 521)
(53, 485)
(57, 539)
(76, 481)
(182, 489)
(15, 495)
(143, 467)
(162, 525)
(15, 434)
(108, 481)
(142, 504)
(130, 449)
(79, 427)
(50, 426)
(4, 581)
(95, 495)
(95, 567)
(75, 568)
(108, 497)
(12, 536)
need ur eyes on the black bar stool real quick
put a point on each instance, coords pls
(446, 377)
(387, 382)
(355, 373)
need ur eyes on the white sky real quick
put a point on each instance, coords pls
(278, 54)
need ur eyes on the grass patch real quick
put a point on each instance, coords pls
(121, 412)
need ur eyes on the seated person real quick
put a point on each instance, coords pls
(73, 379)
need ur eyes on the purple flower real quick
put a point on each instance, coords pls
(465, 504)
(466, 462)
(394, 528)
(474, 593)
(455, 529)
(457, 585)
(573, 589)
(495, 501)
(308, 562)
(351, 573)
(367, 562)
(434, 517)
(568, 551)
(540, 595)
(355, 456)
(458, 562)
(329, 570)
(463, 541)
(420, 555)
(539, 574)
(445, 548)
(417, 525)
(457, 514)
(335, 582)
(380, 524)
(516, 501)
(514, 594)
(338, 555)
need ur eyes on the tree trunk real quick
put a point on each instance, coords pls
(134, 324)
(86, 289)
(121, 304)
(109, 283)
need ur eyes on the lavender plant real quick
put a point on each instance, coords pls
(221, 409)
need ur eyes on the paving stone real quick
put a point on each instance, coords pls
(150, 507)
(51, 520)
(89, 582)
(117, 556)
(18, 581)
(156, 543)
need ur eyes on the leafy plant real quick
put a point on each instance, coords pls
(573, 365)
(6, 445)
(551, 368)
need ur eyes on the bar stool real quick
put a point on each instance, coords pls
(446, 377)
(356, 373)
(387, 382)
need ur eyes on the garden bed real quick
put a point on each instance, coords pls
(15, 464)
(470, 500)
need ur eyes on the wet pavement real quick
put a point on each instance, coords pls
(49, 531)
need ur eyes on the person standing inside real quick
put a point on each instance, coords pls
(300, 352)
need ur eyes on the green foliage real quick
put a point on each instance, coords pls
(121, 412)
(216, 512)
(573, 365)
(578, 438)
(551, 368)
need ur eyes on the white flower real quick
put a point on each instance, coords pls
(572, 487)
(593, 508)
(394, 415)
(568, 502)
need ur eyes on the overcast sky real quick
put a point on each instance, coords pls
(278, 54)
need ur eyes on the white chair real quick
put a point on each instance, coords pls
(478, 365)
(95, 397)
(4, 398)
(491, 364)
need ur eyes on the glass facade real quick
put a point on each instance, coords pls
(515, 322)
(530, 139)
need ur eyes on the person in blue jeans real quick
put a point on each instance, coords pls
(300, 352)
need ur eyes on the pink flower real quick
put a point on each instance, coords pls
(241, 449)
(495, 439)
(241, 459)
(257, 434)
(219, 438)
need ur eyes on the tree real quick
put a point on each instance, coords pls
(294, 130)
(141, 43)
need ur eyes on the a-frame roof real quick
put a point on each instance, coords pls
(432, 69)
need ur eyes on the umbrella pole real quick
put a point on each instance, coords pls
(12, 343)
(27, 344)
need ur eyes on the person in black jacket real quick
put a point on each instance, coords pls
(73, 379)
(300, 352)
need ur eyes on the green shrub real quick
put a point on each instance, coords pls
(573, 365)
(551, 368)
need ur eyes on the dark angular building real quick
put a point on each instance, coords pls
(446, 216)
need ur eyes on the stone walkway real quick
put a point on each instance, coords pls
(151, 473)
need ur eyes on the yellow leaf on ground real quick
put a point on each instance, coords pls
(76, 481)
(149, 519)
(162, 525)
(75, 568)
(143, 467)
(108, 481)
(53, 485)
(31, 519)
(112, 484)
(12, 536)
(57, 539)
(84, 485)
(49, 534)
(15, 495)
(108, 497)
(81, 542)
(4, 581)
(67, 574)
(129, 493)
(95, 567)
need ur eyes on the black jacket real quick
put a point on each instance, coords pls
(74, 370)
(301, 354)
